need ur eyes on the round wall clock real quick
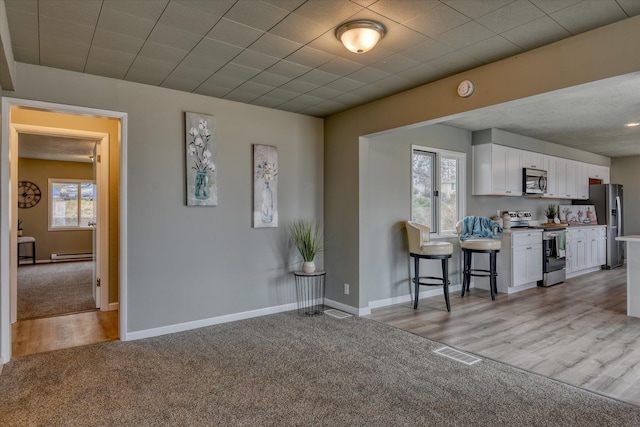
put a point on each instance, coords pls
(28, 194)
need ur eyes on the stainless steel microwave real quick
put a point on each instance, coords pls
(534, 181)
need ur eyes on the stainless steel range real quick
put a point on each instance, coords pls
(554, 260)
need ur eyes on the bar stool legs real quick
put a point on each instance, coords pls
(491, 272)
(439, 281)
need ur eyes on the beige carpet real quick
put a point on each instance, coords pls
(54, 289)
(284, 370)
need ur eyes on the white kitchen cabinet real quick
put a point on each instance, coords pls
(586, 249)
(551, 166)
(519, 262)
(497, 170)
(532, 160)
(582, 181)
(598, 172)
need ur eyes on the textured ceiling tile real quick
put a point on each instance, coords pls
(212, 90)
(106, 69)
(64, 30)
(328, 43)
(465, 35)
(147, 9)
(631, 7)
(292, 106)
(146, 76)
(125, 24)
(28, 6)
(177, 83)
(340, 66)
(368, 75)
(56, 46)
(283, 94)
(109, 40)
(299, 86)
(474, 8)
(270, 79)
(328, 12)
(213, 52)
(400, 38)
(427, 51)
(274, 46)
(174, 37)
(396, 64)
(288, 69)
(85, 11)
(266, 101)
(299, 29)
(256, 14)
(536, 33)
(233, 33)
(28, 56)
(309, 57)
(255, 88)
(187, 72)
(162, 52)
(159, 67)
(492, 49)
(350, 99)
(238, 71)
(183, 17)
(23, 29)
(213, 10)
(403, 10)
(550, 6)
(230, 82)
(240, 96)
(51, 58)
(440, 19)
(289, 5)
(255, 60)
(370, 92)
(513, 15)
(345, 84)
(393, 84)
(325, 92)
(318, 77)
(116, 57)
(584, 16)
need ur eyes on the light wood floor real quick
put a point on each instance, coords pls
(55, 333)
(576, 332)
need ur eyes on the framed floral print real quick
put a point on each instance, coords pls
(201, 185)
(265, 186)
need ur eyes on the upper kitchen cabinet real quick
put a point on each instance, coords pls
(598, 172)
(551, 166)
(532, 160)
(497, 170)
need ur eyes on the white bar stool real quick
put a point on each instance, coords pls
(421, 247)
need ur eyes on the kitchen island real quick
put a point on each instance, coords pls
(632, 256)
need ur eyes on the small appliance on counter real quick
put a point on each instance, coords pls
(516, 219)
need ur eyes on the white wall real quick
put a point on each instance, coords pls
(191, 263)
(626, 171)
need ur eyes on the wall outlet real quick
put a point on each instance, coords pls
(346, 289)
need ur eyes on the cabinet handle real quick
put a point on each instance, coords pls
(529, 248)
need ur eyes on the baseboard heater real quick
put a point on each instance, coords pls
(86, 256)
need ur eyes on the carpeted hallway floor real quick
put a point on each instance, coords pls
(285, 370)
(54, 289)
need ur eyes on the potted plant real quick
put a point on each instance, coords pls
(551, 212)
(19, 227)
(307, 236)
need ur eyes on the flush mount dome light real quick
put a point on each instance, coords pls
(360, 36)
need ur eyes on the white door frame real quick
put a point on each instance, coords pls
(8, 210)
(102, 204)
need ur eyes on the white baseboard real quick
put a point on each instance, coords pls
(585, 271)
(347, 308)
(180, 327)
(408, 297)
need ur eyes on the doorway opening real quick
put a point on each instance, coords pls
(64, 283)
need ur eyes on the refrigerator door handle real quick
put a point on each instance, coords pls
(619, 215)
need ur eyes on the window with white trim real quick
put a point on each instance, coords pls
(437, 188)
(71, 204)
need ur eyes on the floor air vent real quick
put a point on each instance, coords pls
(337, 313)
(459, 356)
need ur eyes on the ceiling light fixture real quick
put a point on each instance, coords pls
(360, 36)
(633, 124)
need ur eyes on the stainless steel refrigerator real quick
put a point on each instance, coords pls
(607, 199)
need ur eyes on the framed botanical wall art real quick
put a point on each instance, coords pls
(200, 144)
(265, 186)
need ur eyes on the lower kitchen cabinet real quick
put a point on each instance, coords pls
(519, 262)
(586, 249)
